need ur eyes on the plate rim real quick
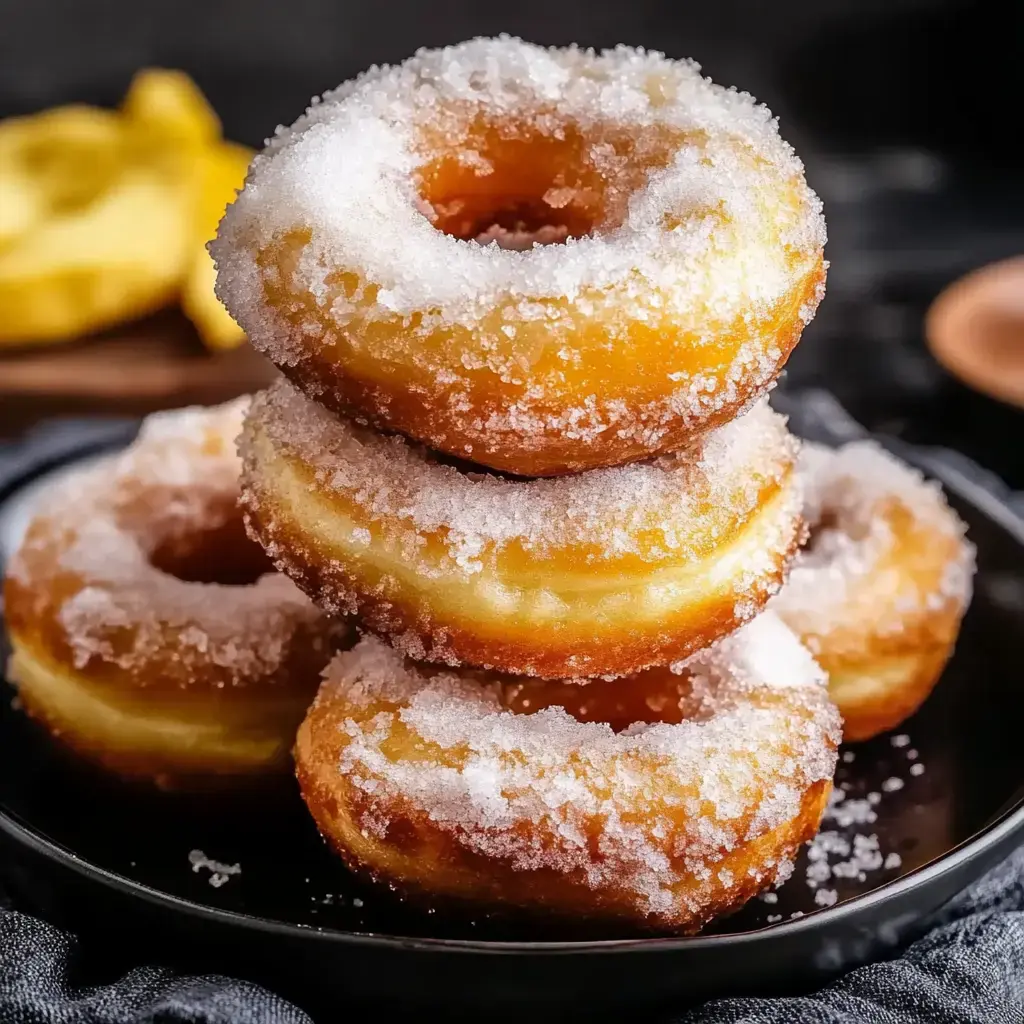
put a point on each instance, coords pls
(1004, 824)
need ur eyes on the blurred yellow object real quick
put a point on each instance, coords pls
(170, 107)
(103, 237)
(117, 258)
(21, 208)
(53, 163)
(168, 126)
(224, 169)
(106, 213)
(170, 115)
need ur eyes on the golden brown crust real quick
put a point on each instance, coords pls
(252, 745)
(423, 410)
(882, 690)
(412, 840)
(426, 866)
(618, 623)
(148, 720)
(409, 618)
(880, 675)
(112, 715)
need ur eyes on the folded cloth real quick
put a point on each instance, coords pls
(38, 963)
(967, 969)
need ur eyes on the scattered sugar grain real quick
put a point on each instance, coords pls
(846, 851)
(826, 897)
(219, 873)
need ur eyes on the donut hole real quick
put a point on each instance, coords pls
(541, 181)
(218, 553)
(819, 531)
(838, 538)
(657, 695)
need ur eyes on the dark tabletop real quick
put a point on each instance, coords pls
(902, 109)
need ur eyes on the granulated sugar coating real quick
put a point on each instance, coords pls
(543, 260)
(849, 495)
(602, 573)
(92, 562)
(349, 170)
(666, 511)
(424, 778)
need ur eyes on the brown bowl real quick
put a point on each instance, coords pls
(975, 329)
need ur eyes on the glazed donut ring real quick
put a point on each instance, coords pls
(879, 593)
(124, 653)
(688, 255)
(599, 574)
(429, 782)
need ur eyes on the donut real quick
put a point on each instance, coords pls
(457, 787)
(602, 573)
(149, 634)
(879, 592)
(539, 260)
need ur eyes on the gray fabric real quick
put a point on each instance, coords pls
(38, 963)
(968, 969)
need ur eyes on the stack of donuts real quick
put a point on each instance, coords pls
(527, 304)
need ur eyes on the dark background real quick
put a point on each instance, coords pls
(906, 112)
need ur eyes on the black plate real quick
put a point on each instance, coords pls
(946, 793)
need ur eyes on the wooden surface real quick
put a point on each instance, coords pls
(158, 363)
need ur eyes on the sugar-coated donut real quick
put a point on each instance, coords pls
(602, 573)
(686, 253)
(455, 787)
(124, 644)
(879, 593)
